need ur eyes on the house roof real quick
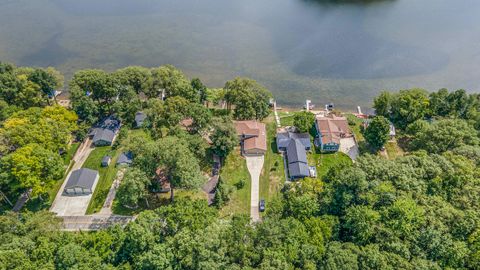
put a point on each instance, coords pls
(125, 158)
(296, 152)
(106, 159)
(139, 118)
(298, 169)
(253, 134)
(332, 128)
(84, 178)
(103, 135)
(283, 139)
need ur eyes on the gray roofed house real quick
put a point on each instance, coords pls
(140, 118)
(126, 158)
(81, 182)
(298, 170)
(283, 139)
(297, 160)
(104, 133)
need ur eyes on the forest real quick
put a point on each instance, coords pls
(418, 211)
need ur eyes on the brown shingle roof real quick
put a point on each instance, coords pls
(332, 128)
(253, 134)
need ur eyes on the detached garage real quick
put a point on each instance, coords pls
(81, 182)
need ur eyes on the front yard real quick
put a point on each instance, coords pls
(323, 162)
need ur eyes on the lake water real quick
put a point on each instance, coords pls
(328, 50)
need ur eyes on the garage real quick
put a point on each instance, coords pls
(81, 182)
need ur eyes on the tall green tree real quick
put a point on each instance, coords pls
(303, 121)
(224, 137)
(377, 132)
(133, 188)
(249, 98)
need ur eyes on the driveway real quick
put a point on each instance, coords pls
(254, 166)
(74, 205)
(349, 146)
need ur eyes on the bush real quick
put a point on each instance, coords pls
(240, 184)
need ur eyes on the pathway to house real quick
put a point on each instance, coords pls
(277, 119)
(107, 206)
(254, 166)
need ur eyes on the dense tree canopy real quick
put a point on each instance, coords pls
(249, 98)
(303, 121)
(377, 132)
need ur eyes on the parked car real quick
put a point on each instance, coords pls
(261, 205)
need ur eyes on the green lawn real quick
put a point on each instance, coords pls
(286, 120)
(393, 150)
(234, 170)
(107, 175)
(70, 152)
(273, 174)
(355, 124)
(324, 162)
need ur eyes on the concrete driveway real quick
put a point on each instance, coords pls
(349, 146)
(254, 166)
(74, 205)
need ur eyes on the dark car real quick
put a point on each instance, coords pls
(261, 205)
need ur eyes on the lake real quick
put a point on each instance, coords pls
(328, 51)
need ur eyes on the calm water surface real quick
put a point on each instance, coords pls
(323, 50)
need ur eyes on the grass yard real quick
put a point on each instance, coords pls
(273, 173)
(393, 150)
(234, 170)
(70, 153)
(286, 120)
(107, 175)
(355, 124)
(324, 162)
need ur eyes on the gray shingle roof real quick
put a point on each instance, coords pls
(283, 139)
(103, 135)
(125, 158)
(139, 118)
(298, 169)
(84, 178)
(296, 152)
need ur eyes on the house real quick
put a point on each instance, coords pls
(284, 137)
(139, 119)
(330, 130)
(106, 161)
(81, 182)
(297, 160)
(125, 159)
(104, 133)
(253, 138)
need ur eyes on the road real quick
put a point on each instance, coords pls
(254, 166)
(93, 222)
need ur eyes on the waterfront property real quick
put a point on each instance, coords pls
(253, 138)
(284, 137)
(331, 130)
(297, 160)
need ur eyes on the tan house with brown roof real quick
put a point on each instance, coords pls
(330, 130)
(253, 137)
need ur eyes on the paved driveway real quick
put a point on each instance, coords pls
(255, 165)
(349, 147)
(74, 205)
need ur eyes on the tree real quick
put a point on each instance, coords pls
(444, 135)
(303, 121)
(46, 81)
(408, 106)
(361, 224)
(134, 76)
(201, 89)
(382, 104)
(224, 137)
(133, 188)
(32, 166)
(250, 99)
(173, 82)
(377, 132)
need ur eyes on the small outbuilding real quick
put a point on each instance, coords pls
(125, 159)
(106, 161)
(81, 182)
(139, 119)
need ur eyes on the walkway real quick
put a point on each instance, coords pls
(107, 206)
(255, 165)
(277, 119)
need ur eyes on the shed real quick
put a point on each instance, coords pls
(106, 161)
(81, 182)
(125, 159)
